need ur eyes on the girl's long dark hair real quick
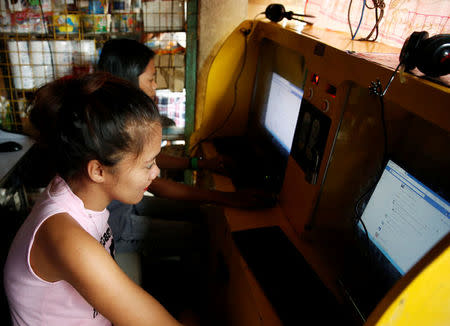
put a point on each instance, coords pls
(125, 58)
(96, 116)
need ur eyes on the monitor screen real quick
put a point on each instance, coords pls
(281, 112)
(404, 218)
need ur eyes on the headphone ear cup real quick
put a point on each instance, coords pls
(275, 12)
(433, 55)
(409, 50)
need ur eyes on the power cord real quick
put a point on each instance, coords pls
(245, 32)
(360, 19)
(378, 6)
(376, 88)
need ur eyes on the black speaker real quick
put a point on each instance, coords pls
(275, 12)
(431, 55)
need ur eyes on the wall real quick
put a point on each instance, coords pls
(216, 20)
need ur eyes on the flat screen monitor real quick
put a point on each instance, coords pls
(404, 218)
(281, 111)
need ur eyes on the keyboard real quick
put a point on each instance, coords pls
(251, 166)
(290, 284)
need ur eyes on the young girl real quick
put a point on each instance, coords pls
(105, 135)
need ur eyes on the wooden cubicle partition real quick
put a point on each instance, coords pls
(318, 217)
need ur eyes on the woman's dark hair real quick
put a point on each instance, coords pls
(93, 117)
(125, 58)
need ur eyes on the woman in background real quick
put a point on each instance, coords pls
(133, 61)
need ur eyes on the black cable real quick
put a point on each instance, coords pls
(377, 22)
(383, 161)
(348, 18)
(360, 19)
(358, 212)
(383, 123)
(377, 5)
(367, 237)
(245, 32)
(303, 21)
(367, 6)
(375, 28)
(376, 88)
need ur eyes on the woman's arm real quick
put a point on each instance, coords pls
(76, 257)
(244, 199)
(166, 161)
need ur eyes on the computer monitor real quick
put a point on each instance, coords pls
(260, 155)
(404, 218)
(281, 112)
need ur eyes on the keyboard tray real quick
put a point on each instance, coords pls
(295, 291)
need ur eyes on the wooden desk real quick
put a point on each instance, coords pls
(244, 301)
(413, 119)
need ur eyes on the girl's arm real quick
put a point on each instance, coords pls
(244, 199)
(75, 256)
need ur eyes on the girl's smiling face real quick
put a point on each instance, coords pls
(129, 178)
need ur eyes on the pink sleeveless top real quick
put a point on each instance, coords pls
(32, 300)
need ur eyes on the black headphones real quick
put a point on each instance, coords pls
(430, 55)
(275, 12)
